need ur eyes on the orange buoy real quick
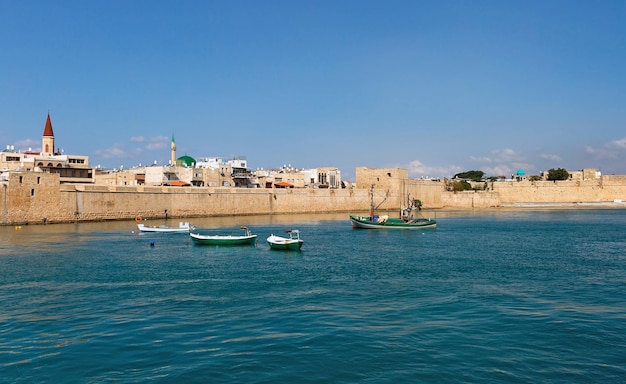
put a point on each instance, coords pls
(138, 219)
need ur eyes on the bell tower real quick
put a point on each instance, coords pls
(47, 142)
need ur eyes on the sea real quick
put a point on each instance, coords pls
(490, 296)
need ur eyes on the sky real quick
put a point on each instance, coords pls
(435, 87)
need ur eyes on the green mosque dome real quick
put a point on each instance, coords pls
(185, 161)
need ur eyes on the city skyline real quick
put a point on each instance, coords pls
(435, 88)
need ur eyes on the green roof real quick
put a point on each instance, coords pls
(185, 161)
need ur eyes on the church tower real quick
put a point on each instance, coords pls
(47, 142)
(173, 150)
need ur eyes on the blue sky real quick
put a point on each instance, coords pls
(437, 87)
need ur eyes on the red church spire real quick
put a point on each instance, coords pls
(47, 131)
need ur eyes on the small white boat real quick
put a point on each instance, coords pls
(293, 242)
(182, 227)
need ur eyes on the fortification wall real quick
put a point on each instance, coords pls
(33, 197)
(380, 178)
(28, 192)
(429, 192)
(152, 202)
(470, 199)
(604, 189)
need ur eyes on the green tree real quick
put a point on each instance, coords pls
(458, 186)
(470, 175)
(557, 174)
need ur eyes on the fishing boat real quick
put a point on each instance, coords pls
(245, 239)
(386, 222)
(182, 227)
(405, 221)
(293, 242)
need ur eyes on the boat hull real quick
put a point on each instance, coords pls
(222, 240)
(183, 227)
(364, 222)
(284, 244)
(288, 246)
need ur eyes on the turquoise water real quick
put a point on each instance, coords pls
(517, 297)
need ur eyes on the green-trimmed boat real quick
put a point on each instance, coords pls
(246, 239)
(293, 242)
(385, 222)
(406, 220)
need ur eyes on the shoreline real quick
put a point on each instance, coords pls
(299, 217)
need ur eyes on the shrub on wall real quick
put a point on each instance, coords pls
(557, 174)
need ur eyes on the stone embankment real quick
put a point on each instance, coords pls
(30, 197)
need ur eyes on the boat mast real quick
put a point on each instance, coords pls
(372, 208)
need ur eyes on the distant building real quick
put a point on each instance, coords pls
(217, 172)
(71, 168)
(288, 177)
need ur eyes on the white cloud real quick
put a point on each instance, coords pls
(136, 151)
(610, 150)
(619, 144)
(601, 153)
(550, 157)
(157, 143)
(507, 155)
(418, 169)
(112, 153)
(498, 170)
(484, 159)
(24, 145)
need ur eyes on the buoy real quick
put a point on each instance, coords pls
(152, 243)
(138, 219)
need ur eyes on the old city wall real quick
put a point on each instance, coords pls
(470, 199)
(598, 190)
(38, 200)
(151, 202)
(603, 189)
(30, 197)
(26, 193)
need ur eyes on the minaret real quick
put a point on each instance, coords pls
(173, 150)
(47, 142)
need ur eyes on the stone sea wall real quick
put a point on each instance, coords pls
(603, 189)
(39, 198)
(30, 197)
